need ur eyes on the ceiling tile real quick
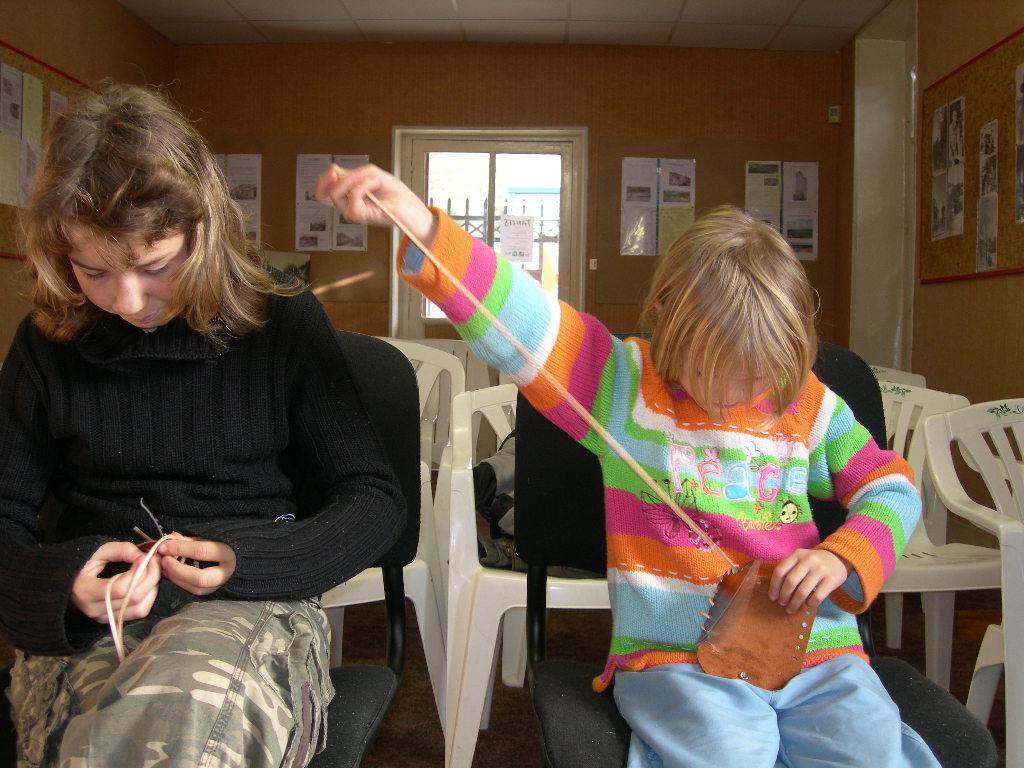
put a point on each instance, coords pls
(738, 11)
(208, 32)
(619, 32)
(489, 31)
(151, 11)
(309, 31)
(811, 39)
(411, 31)
(617, 10)
(847, 14)
(293, 10)
(723, 35)
(525, 10)
(401, 9)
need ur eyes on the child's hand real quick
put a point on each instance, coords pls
(807, 576)
(347, 191)
(88, 591)
(198, 581)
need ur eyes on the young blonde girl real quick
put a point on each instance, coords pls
(722, 407)
(162, 363)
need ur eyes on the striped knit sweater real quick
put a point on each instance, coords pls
(746, 487)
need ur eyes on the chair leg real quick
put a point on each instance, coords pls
(421, 592)
(938, 635)
(492, 677)
(336, 618)
(894, 620)
(464, 727)
(987, 671)
(513, 648)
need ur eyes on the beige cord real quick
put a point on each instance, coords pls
(117, 623)
(557, 385)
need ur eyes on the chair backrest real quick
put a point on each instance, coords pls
(991, 437)
(906, 407)
(478, 375)
(896, 376)
(440, 376)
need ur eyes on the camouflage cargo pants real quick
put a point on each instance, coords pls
(217, 684)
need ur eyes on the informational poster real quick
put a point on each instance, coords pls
(988, 198)
(346, 235)
(763, 191)
(32, 109)
(800, 208)
(28, 161)
(673, 221)
(517, 235)
(243, 172)
(1018, 176)
(639, 223)
(948, 170)
(10, 152)
(57, 103)
(10, 100)
(313, 230)
(676, 199)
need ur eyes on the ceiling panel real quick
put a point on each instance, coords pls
(293, 10)
(401, 9)
(738, 12)
(309, 31)
(514, 9)
(617, 10)
(847, 14)
(810, 39)
(181, 10)
(619, 32)
(209, 32)
(491, 31)
(723, 35)
(411, 31)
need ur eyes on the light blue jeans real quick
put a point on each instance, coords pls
(834, 714)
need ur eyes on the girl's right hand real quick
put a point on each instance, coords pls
(88, 592)
(347, 191)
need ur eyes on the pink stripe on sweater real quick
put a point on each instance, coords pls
(867, 460)
(585, 377)
(478, 278)
(625, 515)
(880, 536)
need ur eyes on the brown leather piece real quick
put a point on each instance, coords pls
(751, 637)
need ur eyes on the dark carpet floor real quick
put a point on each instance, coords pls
(411, 736)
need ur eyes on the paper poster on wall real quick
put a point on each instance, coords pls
(639, 206)
(10, 153)
(10, 100)
(948, 169)
(57, 103)
(517, 240)
(988, 199)
(28, 161)
(32, 109)
(1018, 175)
(673, 221)
(676, 199)
(763, 191)
(800, 208)
(345, 235)
(243, 172)
(313, 228)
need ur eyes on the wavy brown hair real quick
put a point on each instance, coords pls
(731, 300)
(127, 168)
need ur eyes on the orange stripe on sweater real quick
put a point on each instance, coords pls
(453, 246)
(857, 550)
(560, 361)
(895, 466)
(638, 553)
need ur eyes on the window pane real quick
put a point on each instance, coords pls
(457, 184)
(531, 185)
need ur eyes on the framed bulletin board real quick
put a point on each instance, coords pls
(971, 194)
(53, 80)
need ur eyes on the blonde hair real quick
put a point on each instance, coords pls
(730, 300)
(126, 168)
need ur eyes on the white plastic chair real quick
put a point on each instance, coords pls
(440, 376)
(368, 587)
(991, 437)
(928, 565)
(478, 597)
(478, 375)
(896, 376)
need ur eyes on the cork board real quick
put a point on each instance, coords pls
(52, 79)
(987, 86)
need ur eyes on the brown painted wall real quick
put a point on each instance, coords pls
(967, 335)
(721, 106)
(91, 40)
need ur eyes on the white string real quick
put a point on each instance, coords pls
(117, 623)
(556, 384)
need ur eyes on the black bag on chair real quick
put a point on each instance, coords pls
(560, 521)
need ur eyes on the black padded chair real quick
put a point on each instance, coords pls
(560, 521)
(386, 383)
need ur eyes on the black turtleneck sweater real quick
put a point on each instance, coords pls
(207, 435)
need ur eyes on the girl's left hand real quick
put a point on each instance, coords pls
(198, 581)
(807, 577)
